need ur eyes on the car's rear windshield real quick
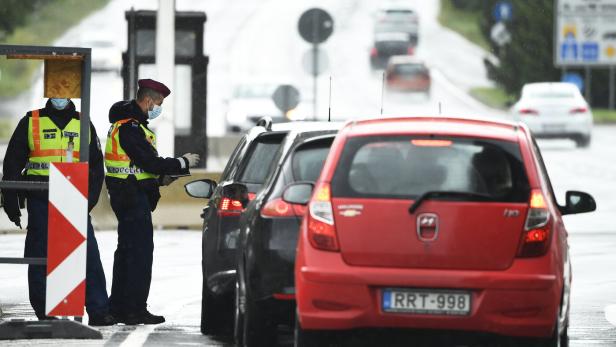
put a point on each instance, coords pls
(260, 159)
(404, 167)
(409, 69)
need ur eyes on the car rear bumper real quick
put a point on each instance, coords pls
(409, 85)
(515, 302)
(559, 127)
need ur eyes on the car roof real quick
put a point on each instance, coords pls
(550, 86)
(443, 126)
(303, 126)
(405, 59)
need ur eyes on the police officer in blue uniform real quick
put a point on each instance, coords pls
(134, 173)
(37, 141)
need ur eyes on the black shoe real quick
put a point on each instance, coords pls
(44, 317)
(142, 318)
(96, 320)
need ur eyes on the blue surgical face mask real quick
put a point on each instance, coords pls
(155, 112)
(59, 103)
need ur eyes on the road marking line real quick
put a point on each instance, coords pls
(138, 336)
(610, 314)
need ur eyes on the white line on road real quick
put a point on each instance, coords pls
(140, 335)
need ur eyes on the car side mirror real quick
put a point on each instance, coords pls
(201, 188)
(298, 193)
(236, 191)
(578, 202)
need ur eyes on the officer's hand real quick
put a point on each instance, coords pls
(167, 180)
(193, 159)
(11, 207)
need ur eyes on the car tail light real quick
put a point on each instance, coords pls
(528, 111)
(578, 110)
(410, 50)
(281, 208)
(374, 52)
(320, 220)
(232, 207)
(537, 227)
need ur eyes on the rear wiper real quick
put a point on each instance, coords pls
(435, 194)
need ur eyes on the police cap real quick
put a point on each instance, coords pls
(155, 86)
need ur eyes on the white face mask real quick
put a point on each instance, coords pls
(155, 112)
(59, 103)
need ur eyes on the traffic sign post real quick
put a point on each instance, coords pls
(585, 37)
(286, 97)
(315, 26)
(502, 11)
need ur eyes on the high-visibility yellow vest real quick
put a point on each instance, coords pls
(118, 164)
(50, 144)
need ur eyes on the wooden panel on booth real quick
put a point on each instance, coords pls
(62, 79)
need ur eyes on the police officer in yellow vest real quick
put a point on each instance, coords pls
(46, 135)
(134, 173)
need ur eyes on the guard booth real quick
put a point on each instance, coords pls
(190, 89)
(66, 74)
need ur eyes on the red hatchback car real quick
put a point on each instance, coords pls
(434, 223)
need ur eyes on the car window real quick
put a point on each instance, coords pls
(308, 162)
(408, 69)
(259, 159)
(406, 167)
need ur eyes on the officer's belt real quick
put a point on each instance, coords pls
(37, 166)
(124, 170)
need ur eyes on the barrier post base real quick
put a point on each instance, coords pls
(47, 329)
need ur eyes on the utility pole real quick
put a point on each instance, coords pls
(165, 67)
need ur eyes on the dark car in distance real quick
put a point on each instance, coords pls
(265, 291)
(249, 165)
(387, 45)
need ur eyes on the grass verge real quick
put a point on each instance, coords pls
(42, 27)
(494, 97)
(603, 115)
(466, 23)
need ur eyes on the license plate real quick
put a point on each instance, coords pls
(439, 302)
(553, 128)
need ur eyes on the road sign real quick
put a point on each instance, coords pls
(315, 25)
(585, 33)
(67, 239)
(286, 97)
(499, 34)
(321, 65)
(502, 11)
(574, 78)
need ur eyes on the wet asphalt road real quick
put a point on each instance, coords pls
(176, 282)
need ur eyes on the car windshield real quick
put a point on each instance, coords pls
(552, 95)
(407, 167)
(549, 91)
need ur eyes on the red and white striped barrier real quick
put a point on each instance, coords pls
(66, 247)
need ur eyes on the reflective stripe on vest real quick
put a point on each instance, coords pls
(118, 164)
(50, 144)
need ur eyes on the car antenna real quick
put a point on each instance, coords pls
(382, 92)
(329, 115)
